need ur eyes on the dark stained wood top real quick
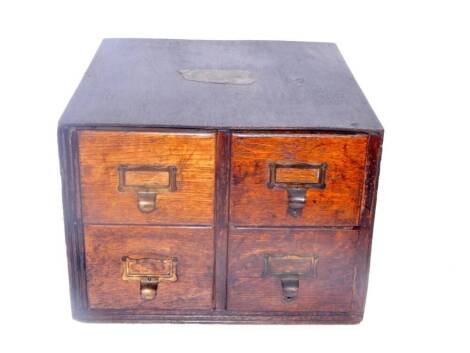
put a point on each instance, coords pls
(286, 85)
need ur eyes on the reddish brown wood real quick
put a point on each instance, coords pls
(330, 291)
(318, 311)
(67, 138)
(338, 204)
(106, 245)
(363, 253)
(216, 317)
(193, 155)
(221, 212)
(290, 175)
(162, 118)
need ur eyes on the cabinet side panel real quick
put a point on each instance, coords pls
(374, 153)
(67, 141)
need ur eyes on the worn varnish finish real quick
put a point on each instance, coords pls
(221, 221)
(193, 155)
(338, 204)
(222, 218)
(330, 290)
(192, 247)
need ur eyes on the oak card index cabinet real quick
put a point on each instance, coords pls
(219, 181)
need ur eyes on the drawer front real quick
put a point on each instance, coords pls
(297, 179)
(149, 267)
(291, 270)
(147, 177)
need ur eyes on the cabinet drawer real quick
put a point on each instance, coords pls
(302, 180)
(149, 267)
(291, 270)
(147, 177)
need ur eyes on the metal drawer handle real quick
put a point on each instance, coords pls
(289, 269)
(150, 272)
(296, 178)
(146, 181)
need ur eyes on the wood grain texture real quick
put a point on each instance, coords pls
(193, 248)
(364, 246)
(133, 107)
(76, 255)
(330, 291)
(222, 218)
(217, 317)
(69, 167)
(292, 175)
(102, 152)
(338, 204)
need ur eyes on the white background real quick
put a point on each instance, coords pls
(412, 60)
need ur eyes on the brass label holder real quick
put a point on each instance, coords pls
(297, 190)
(289, 269)
(149, 272)
(146, 192)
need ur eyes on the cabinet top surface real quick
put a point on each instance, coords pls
(220, 84)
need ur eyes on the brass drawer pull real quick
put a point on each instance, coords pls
(289, 269)
(146, 181)
(150, 272)
(296, 178)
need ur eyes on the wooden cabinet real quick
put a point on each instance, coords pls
(226, 186)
